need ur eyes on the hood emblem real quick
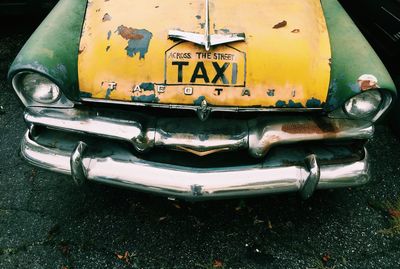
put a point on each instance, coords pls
(207, 40)
(203, 111)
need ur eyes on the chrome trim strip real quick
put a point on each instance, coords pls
(195, 183)
(390, 13)
(257, 135)
(188, 36)
(207, 26)
(194, 108)
(207, 40)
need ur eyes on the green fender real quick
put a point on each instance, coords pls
(352, 56)
(53, 48)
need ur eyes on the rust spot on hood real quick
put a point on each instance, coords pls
(280, 25)
(301, 128)
(367, 82)
(316, 127)
(129, 33)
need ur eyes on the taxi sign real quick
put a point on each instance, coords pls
(190, 64)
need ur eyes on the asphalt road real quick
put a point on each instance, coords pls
(47, 222)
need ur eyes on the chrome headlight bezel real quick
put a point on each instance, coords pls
(363, 114)
(363, 106)
(30, 97)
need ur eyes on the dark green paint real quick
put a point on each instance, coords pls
(147, 86)
(108, 92)
(352, 56)
(86, 95)
(290, 104)
(199, 100)
(53, 48)
(138, 45)
(313, 103)
(280, 103)
(152, 98)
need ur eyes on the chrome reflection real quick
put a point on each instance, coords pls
(116, 166)
(201, 138)
(78, 171)
(310, 184)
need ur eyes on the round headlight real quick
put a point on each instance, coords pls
(364, 105)
(39, 88)
(35, 89)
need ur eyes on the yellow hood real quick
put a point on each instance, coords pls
(126, 54)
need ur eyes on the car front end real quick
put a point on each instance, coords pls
(208, 103)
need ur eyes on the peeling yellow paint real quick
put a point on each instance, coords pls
(47, 52)
(290, 62)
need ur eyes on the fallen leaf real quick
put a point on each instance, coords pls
(217, 264)
(53, 231)
(124, 257)
(64, 248)
(394, 213)
(258, 221)
(177, 206)
(280, 25)
(241, 205)
(295, 31)
(269, 225)
(326, 258)
(162, 218)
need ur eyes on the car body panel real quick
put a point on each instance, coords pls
(284, 60)
(352, 56)
(379, 20)
(53, 52)
(53, 48)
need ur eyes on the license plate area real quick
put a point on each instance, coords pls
(189, 64)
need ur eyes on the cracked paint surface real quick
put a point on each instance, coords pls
(138, 40)
(133, 49)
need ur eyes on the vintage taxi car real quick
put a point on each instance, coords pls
(201, 99)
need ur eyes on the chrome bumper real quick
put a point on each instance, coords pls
(144, 132)
(115, 164)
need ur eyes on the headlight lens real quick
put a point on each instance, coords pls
(35, 89)
(39, 88)
(364, 105)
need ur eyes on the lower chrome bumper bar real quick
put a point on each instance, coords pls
(118, 166)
